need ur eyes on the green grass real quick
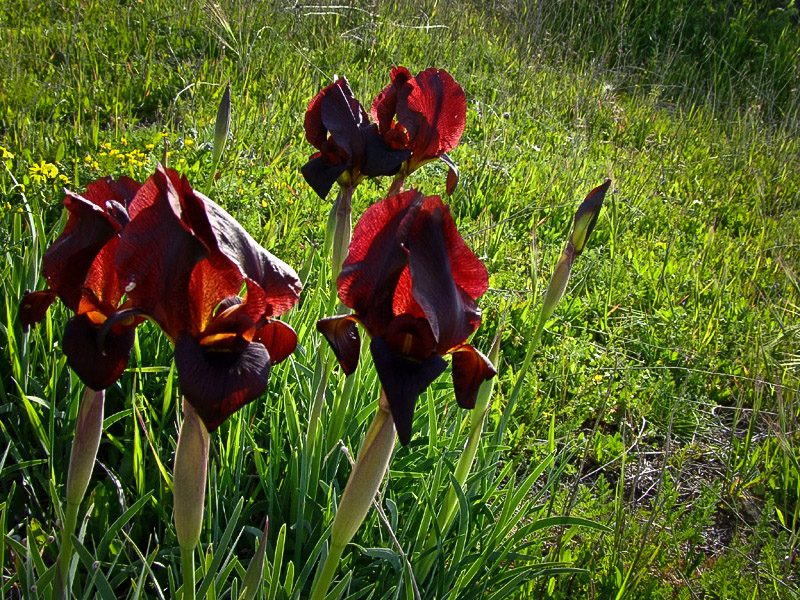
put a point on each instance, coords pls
(662, 405)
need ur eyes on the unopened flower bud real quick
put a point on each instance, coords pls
(189, 478)
(85, 443)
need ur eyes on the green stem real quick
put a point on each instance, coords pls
(187, 570)
(65, 557)
(464, 465)
(325, 578)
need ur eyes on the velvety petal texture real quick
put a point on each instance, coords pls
(428, 112)
(413, 284)
(164, 251)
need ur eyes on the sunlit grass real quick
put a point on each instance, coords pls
(662, 404)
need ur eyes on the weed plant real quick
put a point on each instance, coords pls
(653, 450)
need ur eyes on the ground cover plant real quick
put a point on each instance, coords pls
(642, 443)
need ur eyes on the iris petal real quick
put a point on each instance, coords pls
(342, 335)
(470, 369)
(404, 380)
(452, 314)
(216, 382)
(279, 339)
(433, 108)
(97, 367)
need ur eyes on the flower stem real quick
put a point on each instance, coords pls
(362, 486)
(187, 569)
(329, 567)
(83, 454)
(343, 227)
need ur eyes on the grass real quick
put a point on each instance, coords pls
(653, 452)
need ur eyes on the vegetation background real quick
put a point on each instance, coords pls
(663, 404)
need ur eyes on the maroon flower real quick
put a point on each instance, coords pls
(412, 282)
(350, 147)
(426, 114)
(79, 269)
(183, 261)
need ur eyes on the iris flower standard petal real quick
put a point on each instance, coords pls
(79, 268)
(184, 260)
(426, 114)
(412, 282)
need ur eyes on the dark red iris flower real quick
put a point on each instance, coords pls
(412, 282)
(350, 146)
(426, 114)
(183, 261)
(79, 269)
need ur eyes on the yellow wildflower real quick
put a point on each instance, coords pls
(43, 171)
(5, 153)
(150, 146)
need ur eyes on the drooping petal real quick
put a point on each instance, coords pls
(98, 366)
(33, 307)
(218, 382)
(342, 335)
(452, 314)
(321, 175)
(278, 338)
(225, 237)
(470, 369)
(452, 174)
(403, 380)
(433, 108)
(379, 157)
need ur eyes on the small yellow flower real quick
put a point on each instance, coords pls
(44, 171)
(103, 154)
(5, 153)
(150, 146)
(264, 204)
(189, 142)
(598, 378)
(95, 165)
(123, 140)
(87, 158)
(240, 172)
(113, 152)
